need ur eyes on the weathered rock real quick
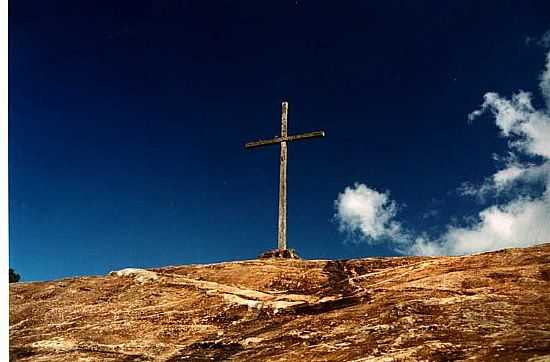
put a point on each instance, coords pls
(491, 306)
(140, 275)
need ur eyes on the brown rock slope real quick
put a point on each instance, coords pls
(491, 306)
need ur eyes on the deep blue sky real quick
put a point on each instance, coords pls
(127, 121)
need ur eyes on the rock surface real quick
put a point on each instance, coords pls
(140, 275)
(491, 306)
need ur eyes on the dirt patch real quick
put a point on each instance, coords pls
(338, 279)
(544, 273)
(475, 283)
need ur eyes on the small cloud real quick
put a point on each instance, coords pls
(542, 41)
(469, 189)
(545, 40)
(430, 214)
(368, 213)
(545, 80)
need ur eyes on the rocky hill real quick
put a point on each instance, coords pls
(491, 306)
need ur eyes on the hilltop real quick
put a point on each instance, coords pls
(490, 306)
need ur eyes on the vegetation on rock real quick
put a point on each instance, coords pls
(14, 277)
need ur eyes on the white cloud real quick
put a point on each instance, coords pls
(545, 78)
(521, 221)
(526, 127)
(545, 39)
(506, 176)
(367, 212)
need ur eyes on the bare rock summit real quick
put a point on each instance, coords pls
(491, 307)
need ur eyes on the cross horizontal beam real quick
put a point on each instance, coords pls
(284, 139)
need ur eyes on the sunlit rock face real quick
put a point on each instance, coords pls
(491, 306)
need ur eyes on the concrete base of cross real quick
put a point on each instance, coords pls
(280, 253)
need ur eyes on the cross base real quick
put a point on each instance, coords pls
(280, 254)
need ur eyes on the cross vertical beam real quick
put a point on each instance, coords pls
(281, 240)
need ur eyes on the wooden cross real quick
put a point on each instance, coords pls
(283, 139)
